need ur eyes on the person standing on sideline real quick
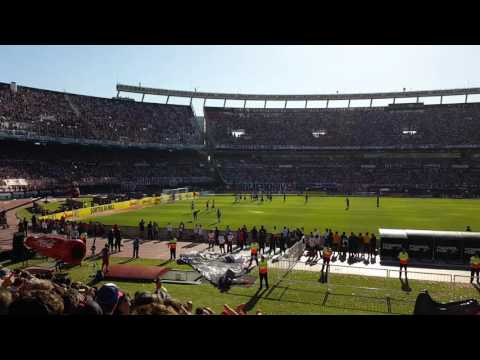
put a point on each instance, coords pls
(141, 228)
(105, 259)
(373, 247)
(213, 203)
(475, 267)
(306, 197)
(230, 242)
(211, 240)
(136, 247)
(240, 238)
(378, 200)
(172, 244)
(253, 252)
(219, 215)
(347, 201)
(273, 241)
(155, 231)
(118, 240)
(262, 236)
(221, 243)
(326, 255)
(284, 199)
(169, 230)
(403, 258)
(110, 238)
(207, 205)
(263, 271)
(150, 231)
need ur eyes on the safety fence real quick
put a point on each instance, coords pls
(375, 272)
(302, 283)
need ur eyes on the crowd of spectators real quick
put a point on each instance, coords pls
(28, 293)
(351, 174)
(431, 125)
(56, 114)
(45, 166)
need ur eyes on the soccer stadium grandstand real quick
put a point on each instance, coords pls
(399, 148)
(53, 140)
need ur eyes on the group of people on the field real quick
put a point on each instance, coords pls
(243, 238)
(357, 246)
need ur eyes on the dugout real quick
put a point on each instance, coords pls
(430, 246)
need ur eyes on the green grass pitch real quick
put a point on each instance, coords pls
(319, 212)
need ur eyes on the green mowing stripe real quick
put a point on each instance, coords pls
(319, 212)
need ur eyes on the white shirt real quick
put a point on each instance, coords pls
(221, 239)
(169, 228)
(230, 237)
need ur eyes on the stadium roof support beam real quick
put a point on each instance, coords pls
(204, 101)
(441, 100)
(265, 104)
(118, 93)
(371, 102)
(168, 98)
(466, 98)
(349, 103)
(244, 103)
(316, 97)
(327, 104)
(224, 102)
(418, 99)
(306, 103)
(394, 100)
(285, 106)
(143, 97)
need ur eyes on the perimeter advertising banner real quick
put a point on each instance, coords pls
(129, 204)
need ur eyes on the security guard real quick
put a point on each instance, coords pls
(475, 267)
(326, 254)
(403, 257)
(263, 271)
(253, 252)
(172, 244)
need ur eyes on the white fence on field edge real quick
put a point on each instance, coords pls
(286, 265)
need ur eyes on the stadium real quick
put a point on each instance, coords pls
(392, 164)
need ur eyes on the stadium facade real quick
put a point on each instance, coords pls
(408, 147)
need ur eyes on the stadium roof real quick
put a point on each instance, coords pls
(306, 97)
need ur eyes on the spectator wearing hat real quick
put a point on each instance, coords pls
(112, 300)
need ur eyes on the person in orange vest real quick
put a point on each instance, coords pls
(172, 244)
(403, 258)
(263, 271)
(253, 252)
(326, 254)
(475, 267)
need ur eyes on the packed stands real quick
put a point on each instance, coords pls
(394, 127)
(44, 166)
(33, 112)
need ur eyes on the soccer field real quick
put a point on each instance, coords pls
(319, 212)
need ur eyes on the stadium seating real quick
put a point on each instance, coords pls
(428, 126)
(49, 165)
(54, 114)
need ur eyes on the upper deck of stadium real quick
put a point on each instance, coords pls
(407, 118)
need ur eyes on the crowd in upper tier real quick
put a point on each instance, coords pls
(56, 114)
(429, 125)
